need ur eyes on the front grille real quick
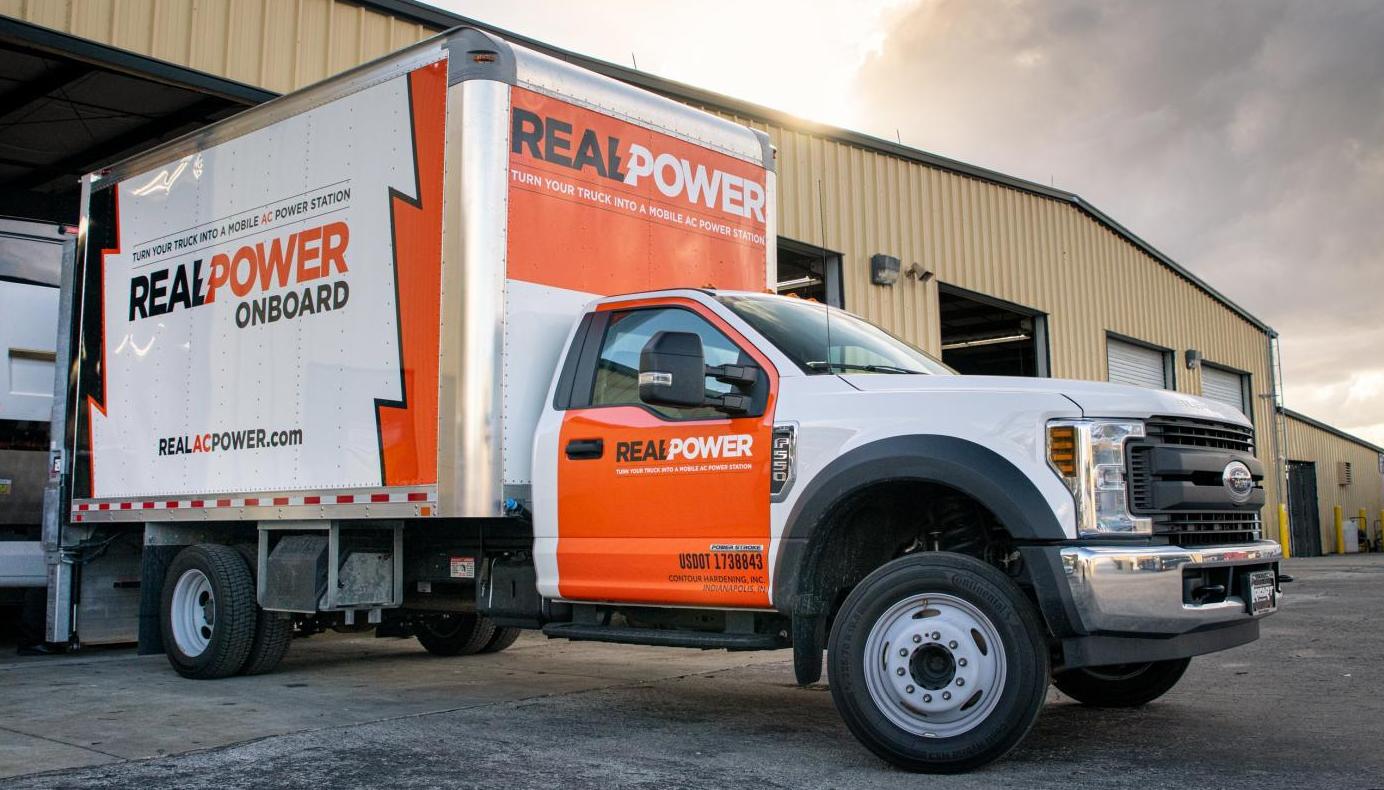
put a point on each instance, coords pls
(1200, 433)
(1208, 529)
(1186, 527)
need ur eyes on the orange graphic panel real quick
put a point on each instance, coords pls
(603, 206)
(408, 427)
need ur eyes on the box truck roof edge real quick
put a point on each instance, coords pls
(488, 398)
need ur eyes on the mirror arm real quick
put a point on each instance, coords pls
(735, 375)
(731, 404)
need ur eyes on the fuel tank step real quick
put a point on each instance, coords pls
(706, 640)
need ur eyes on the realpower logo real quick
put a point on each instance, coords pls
(561, 143)
(690, 448)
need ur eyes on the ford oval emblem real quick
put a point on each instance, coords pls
(1238, 481)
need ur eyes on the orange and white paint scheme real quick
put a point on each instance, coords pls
(671, 510)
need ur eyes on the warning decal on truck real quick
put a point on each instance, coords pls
(262, 315)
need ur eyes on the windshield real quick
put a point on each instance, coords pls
(799, 329)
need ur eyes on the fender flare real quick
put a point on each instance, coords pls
(957, 463)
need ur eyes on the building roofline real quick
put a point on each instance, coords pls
(1300, 417)
(429, 15)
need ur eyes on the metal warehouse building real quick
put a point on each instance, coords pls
(995, 274)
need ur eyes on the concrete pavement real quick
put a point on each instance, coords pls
(1300, 708)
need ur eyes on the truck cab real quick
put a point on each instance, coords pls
(832, 485)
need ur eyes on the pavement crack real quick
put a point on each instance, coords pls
(63, 743)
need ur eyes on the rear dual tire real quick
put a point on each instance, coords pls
(938, 663)
(211, 625)
(463, 634)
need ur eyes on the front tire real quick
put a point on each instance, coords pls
(1121, 685)
(938, 663)
(208, 613)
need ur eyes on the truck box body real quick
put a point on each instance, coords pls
(349, 302)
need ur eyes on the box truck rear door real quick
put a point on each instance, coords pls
(658, 504)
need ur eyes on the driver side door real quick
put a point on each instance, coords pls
(660, 504)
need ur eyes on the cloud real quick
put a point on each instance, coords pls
(1244, 139)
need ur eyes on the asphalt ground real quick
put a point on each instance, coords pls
(1301, 708)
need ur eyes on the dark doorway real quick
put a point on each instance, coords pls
(1303, 518)
(990, 337)
(69, 106)
(809, 272)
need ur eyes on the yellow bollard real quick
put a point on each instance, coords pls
(1340, 530)
(1283, 531)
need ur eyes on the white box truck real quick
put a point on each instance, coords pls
(31, 257)
(469, 340)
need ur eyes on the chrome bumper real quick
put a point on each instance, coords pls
(1140, 589)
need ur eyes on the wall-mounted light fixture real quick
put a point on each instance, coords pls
(1193, 357)
(884, 269)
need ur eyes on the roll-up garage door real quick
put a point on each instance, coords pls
(1130, 363)
(1224, 386)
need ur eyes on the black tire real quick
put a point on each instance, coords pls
(1013, 619)
(1121, 685)
(273, 634)
(455, 634)
(232, 605)
(503, 638)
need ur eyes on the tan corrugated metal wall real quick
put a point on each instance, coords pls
(1307, 442)
(275, 44)
(1024, 248)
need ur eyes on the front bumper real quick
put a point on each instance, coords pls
(1144, 591)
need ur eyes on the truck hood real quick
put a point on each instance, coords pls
(1095, 398)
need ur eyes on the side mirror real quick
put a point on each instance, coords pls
(672, 370)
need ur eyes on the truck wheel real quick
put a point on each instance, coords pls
(455, 634)
(273, 634)
(503, 638)
(1121, 685)
(938, 663)
(208, 614)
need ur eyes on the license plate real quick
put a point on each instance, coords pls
(1262, 596)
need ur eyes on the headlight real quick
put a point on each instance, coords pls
(1089, 456)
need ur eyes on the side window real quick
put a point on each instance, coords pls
(617, 365)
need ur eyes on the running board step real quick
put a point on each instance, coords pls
(706, 640)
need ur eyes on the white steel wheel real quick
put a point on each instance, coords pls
(934, 665)
(207, 612)
(193, 614)
(938, 662)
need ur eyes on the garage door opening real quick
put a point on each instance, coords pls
(984, 336)
(809, 272)
(69, 106)
(1306, 530)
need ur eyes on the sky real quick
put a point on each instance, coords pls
(1243, 139)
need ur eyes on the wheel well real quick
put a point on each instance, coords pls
(887, 520)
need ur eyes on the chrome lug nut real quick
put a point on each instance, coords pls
(936, 635)
(960, 681)
(903, 651)
(917, 639)
(952, 644)
(909, 689)
(927, 698)
(961, 662)
(946, 695)
(899, 671)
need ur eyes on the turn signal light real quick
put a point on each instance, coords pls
(1062, 449)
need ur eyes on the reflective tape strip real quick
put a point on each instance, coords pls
(374, 497)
